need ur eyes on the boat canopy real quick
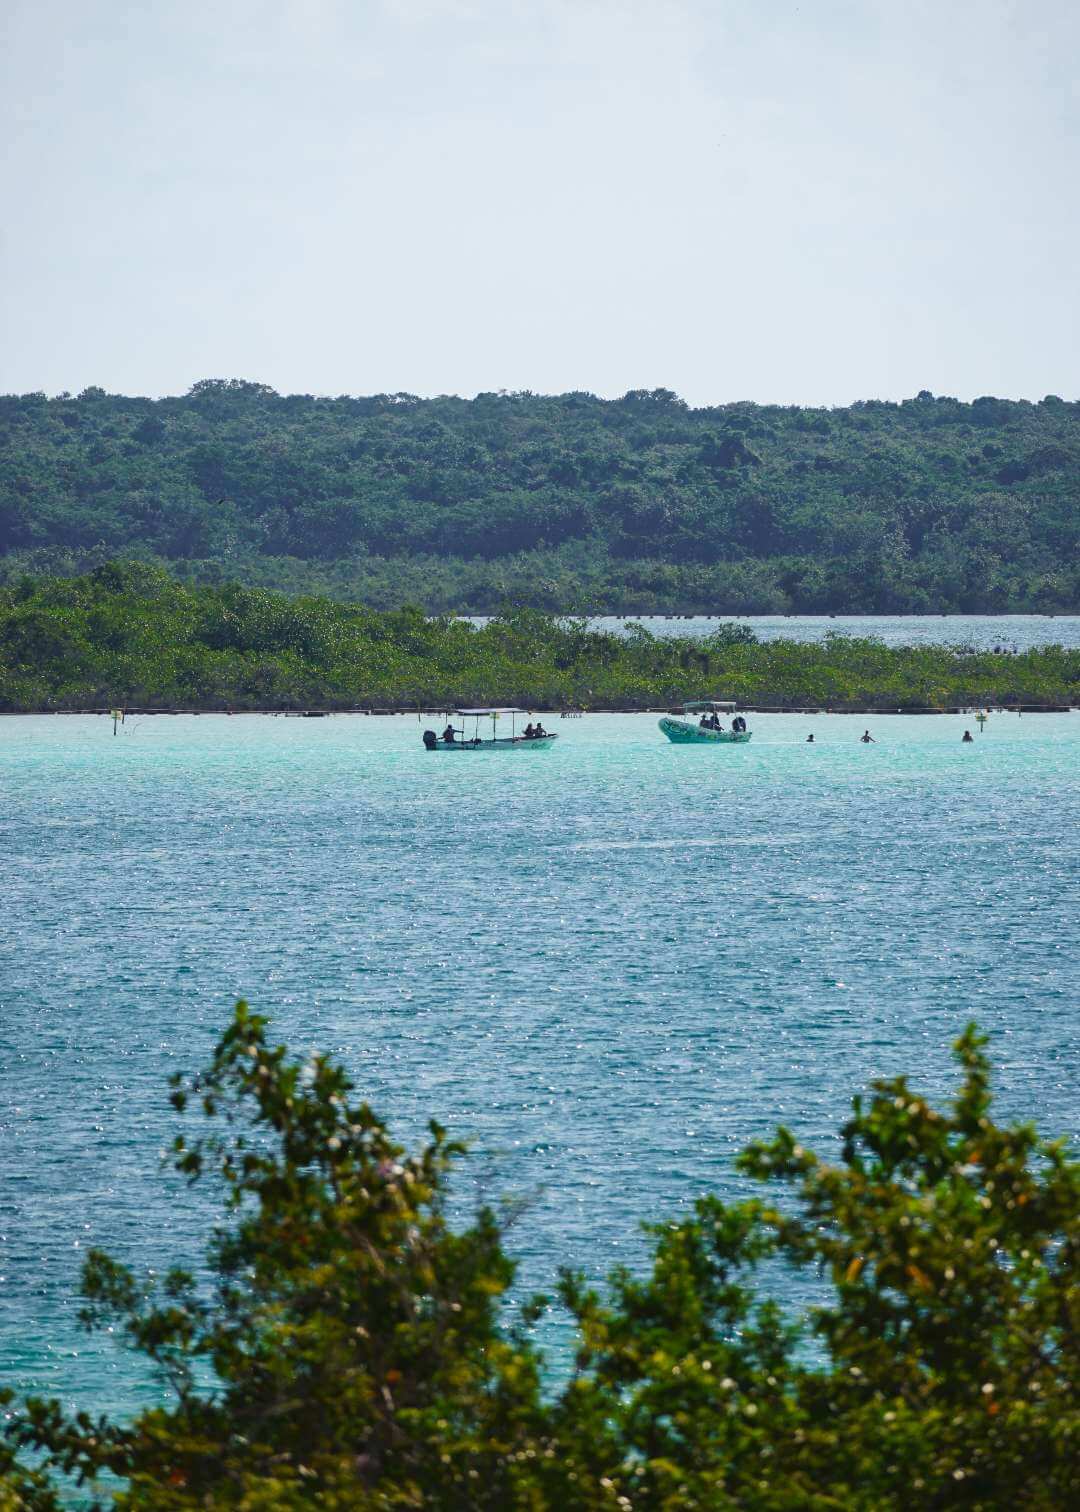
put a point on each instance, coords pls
(491, 711)
(708, 703)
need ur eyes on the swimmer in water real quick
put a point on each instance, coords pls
(867, 738)
(966, 738)
(810, 739)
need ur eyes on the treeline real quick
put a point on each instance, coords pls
(128, 634)
(568, 503)
(346, 1347)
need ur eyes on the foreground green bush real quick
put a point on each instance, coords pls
(354, 1334)
(128, 634)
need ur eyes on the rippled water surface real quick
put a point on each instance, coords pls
(610, 964)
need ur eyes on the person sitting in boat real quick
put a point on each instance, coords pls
(705, 722)
(529, 731)
(448, 735)
(538, 731)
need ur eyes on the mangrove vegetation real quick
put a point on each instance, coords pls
(129, 635)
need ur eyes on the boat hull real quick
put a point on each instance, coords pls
(688, 732)
(504, 743)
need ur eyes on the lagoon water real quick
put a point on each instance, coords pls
(610, 964)
(982, 632)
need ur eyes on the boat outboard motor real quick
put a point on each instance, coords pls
(431, 740)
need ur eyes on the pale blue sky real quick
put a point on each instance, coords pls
(801, 203)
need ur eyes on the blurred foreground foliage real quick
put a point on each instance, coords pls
(346, 1351)
(129, 634)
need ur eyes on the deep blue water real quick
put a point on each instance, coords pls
(610, 964)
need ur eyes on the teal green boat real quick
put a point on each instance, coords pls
(683, 729)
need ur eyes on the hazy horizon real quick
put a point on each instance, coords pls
(314, 393)
(804, 205)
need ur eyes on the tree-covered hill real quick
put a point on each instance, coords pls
(563, 502)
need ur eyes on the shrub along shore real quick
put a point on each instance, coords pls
(129, 635)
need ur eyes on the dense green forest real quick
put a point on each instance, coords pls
(347, 1346)
(568, 502)
(129, 634)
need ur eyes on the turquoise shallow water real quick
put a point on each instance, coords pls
(611, 964)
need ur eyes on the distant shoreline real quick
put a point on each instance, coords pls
(542, 708)
(128, 636)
